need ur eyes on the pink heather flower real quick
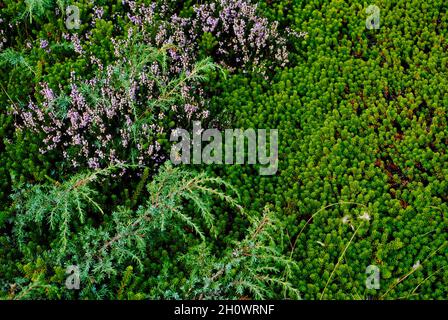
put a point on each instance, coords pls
(98, 12)
(189, 109)
(93, 163)
(43, 44)
(47, 92)
(76, 44)
(77, 140)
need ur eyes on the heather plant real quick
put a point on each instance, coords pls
(117, 116)
(121, 113)
(239, 36)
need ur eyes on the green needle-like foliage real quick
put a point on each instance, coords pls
(57, 205)
(253, 267)
(126, 235)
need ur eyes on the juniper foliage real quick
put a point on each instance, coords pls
(251, 267)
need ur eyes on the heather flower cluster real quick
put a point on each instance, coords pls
(243, 39)
(121, 114)
(116, 116)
